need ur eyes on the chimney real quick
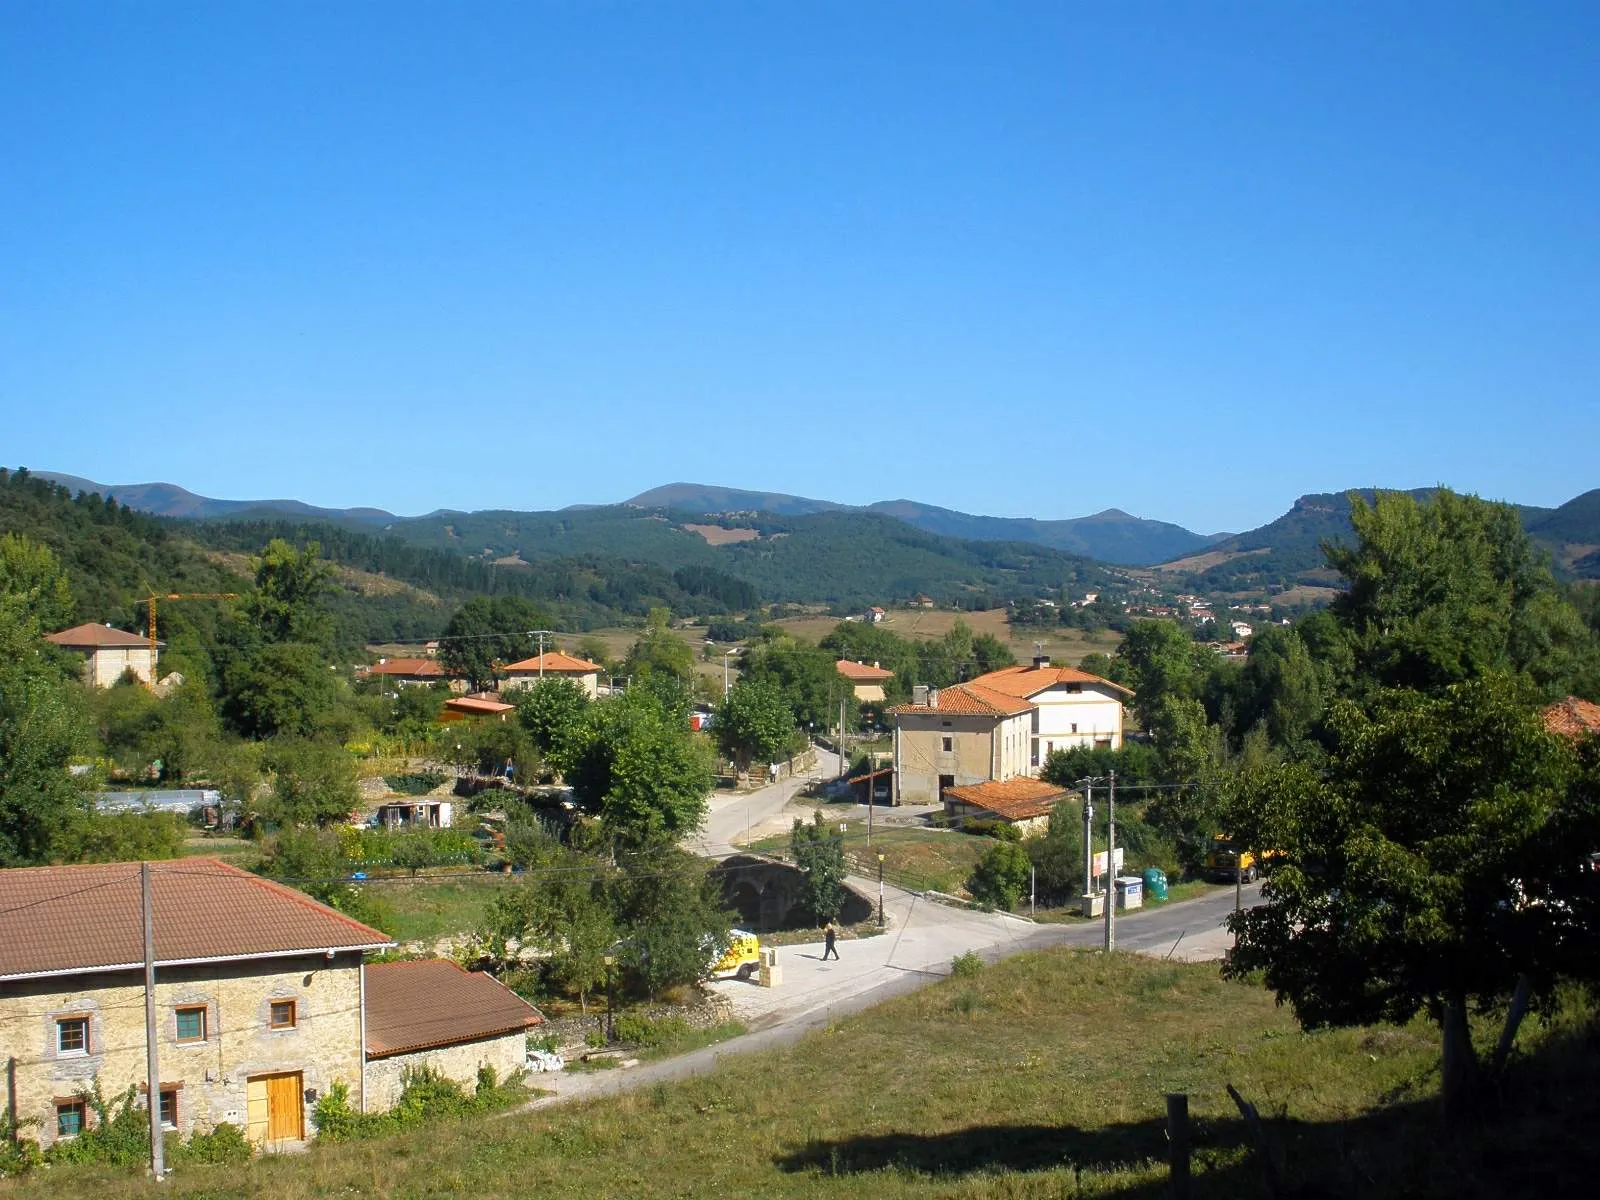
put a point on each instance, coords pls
(875, 663)
(919, 695)
(1041, 661)
(933, 697)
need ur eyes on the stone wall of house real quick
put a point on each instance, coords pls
(211, 1075)
(385, 1076)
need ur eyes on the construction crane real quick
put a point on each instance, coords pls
(150, 602)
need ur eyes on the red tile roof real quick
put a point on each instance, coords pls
(1031, 680)
(1017, 799)
(430, 668)
(1572, 717)
(60, 920)
(967, 700)
(92, 636)
(861, 672)
(477, 705)
(433, 1002)
(555, 663)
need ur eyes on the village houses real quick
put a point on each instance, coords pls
(553, 664)
(262, 998)
(109, 653)
(998, 727)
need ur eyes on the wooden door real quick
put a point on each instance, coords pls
(285, 1110)
(275, 1110)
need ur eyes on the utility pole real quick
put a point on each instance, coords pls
(1111, 861)
(880, 889)
(1088, 842)
(1033, 888)
(152, 1054)
(541, 634)
(841, 740)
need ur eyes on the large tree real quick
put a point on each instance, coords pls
(635, 764)
(818, 850)
(754, 723)
(487, 633)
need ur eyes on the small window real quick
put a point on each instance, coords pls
(72, 1035)
(69, 1118)
(169, 1108)
(1074, 727)
(947, 744)
(192, 1024)
(281, 1015)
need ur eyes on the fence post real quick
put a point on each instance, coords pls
(1178, 1143)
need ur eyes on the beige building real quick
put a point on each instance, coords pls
(1022, 802)
(999, 726)
(553, 664)
(109, 653)
(954, 736)
(257, 996)
(409, 672)
(865, 680)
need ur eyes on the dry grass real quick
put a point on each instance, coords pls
(1205, 561)
(716, 535)
(913, 857)
(927, 624)
(1041, 1077)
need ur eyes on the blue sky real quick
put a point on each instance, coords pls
(1189, 260)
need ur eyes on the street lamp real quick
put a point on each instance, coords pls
(611, 1001)
(880, 889)
(726, 654)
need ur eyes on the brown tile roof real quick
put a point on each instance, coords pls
(1031, 680)
(92, 636)
(556, 663)
(477, 705)
(1012, 799)
(968, 700)
(433, 1002)
(861, 672)
(60, 920)
(429, 667)
(1572, 717)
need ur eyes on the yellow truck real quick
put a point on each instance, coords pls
(1226, 861)
(742, 956)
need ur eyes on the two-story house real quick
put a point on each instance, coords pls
(995, 728)
(258, 996)
(1070, 707)
(109, 653)
(553, 664)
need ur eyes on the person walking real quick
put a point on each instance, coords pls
(829, 936)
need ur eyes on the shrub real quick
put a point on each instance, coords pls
(638, 1030)
(1001, 876)
(427, 1096)
(118, 1135)
(224, 1146)
(965, 966)
(417, 783)
(18, 1154)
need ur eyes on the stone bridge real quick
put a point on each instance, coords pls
(766, 891)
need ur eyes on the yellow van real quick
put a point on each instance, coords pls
(742, 956)
(1226, 861)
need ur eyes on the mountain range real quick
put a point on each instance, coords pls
(1282, 552)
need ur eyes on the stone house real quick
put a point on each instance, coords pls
(866, 681)
(258, 996)
(109, 653)
(433, 1013)
(410, 672)
(553, 664)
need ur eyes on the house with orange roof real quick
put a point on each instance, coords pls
(999, 726)
(1573, 718)
(1071, 707)
(865, 680)
(407, 672)
(1022, 802)
(109, 653)
(553, 664)
(475, 708)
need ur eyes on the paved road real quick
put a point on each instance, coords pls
(916, 950)
(735, 818)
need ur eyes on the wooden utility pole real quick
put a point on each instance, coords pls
(1178, 1143)
(152, 1053)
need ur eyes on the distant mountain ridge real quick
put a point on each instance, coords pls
(170, 500)
(1111, 536)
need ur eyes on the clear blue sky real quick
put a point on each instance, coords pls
(1190, 260)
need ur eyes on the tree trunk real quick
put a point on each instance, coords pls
(1518, 1010)
(1459, 1067)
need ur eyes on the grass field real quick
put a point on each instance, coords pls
(432, 908)
(1041, 1077)
(1066, 646)
(918, 859)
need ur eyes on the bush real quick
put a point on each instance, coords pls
(1003, 831)
(224, 1146)
(965, 966)
(646, 1032)
(1001, 876)
(427, 1096)
(118, 1135)
(417, 783)
(18, 1154)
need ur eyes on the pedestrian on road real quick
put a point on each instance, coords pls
(829, 935)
